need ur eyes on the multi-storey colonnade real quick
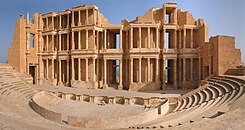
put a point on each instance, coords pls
(155, 50)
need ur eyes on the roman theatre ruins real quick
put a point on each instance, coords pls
(73, 69)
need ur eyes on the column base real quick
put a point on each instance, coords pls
(105, 86)
(60, 84)
(54, 82)
(120, 87)
(40, 81)
(95, 85)
(164, 86)
(175, 86)
(72, 83)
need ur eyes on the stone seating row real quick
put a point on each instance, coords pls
(14, 86)
(217, 93)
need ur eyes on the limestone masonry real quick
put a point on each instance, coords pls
(72, 69)
(167, 47)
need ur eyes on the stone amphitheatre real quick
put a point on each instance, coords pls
(72, 69)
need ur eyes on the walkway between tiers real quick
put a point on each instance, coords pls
(123, 93)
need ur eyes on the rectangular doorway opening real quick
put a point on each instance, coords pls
(169, 72)
(32, 72)
(113, 73)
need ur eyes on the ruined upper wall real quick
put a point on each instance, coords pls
(154, 15)
(168, 14)
(185, 18)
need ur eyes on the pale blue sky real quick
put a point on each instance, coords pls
(224, 17)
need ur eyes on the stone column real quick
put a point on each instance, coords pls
(131, 70)
(59, 79)
(72, 22)
(175, 39)
(94, 39)
(47, 43)
(131, 38)
(72, 70)
(40, 74)
(94, 17)
(72, 41)
(79, 40)
(97, 17)
(52, 72)
(127, 37)
(59, 42)
(86, 69)
(97, 38)
(60, 26)
(175, 16)
(164, 38)
(199, 68)
(149, 38)
(164, 87)
(120, 87)
(127, 71)
(94, 76)
(86, 39)
(95, 71)
(149, 69)
(121, 38)
(52, 22)
(157, 70)
(68, 70)
(139, 70)
(164, 15)
(105, 31)
(105, 75)
(79, 17)
(180, 39)
(68, 39)
(139, 37)
(79, 69)
(191, 68)
(184, 39)
(191, 38)
(157, 37)
(67, 21)
(184, 67)
(175, 74)
(47, 67)
(98, 65)
(180, 69)
(47, 24)
(52, 44)
(86, 17)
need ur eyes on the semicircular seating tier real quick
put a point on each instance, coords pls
(207, 101)
(14, 85)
